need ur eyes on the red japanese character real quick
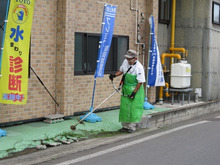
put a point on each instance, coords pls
(14, 82)
(15, 64)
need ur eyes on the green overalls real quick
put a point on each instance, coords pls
(131, 110)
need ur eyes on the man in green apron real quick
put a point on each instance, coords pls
(132, 100)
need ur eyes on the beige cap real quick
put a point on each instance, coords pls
(131, 54)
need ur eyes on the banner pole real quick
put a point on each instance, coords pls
(93, 117)
(44, 86)
(93, 94)
(95, 75)
(147, 105)
(3, 132)
(148, 58)
(106, 3)
(107, 27)
(3, 39)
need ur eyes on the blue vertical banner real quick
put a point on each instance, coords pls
(155, 73)
(108, 22)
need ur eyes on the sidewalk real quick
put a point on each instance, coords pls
(21, 137)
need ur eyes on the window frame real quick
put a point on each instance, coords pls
(162, 18)
(84, 50)
(213, 21)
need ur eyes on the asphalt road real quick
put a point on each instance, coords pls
(193, 142)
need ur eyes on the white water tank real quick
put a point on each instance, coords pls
(180, 75)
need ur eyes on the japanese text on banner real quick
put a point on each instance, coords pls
(155, 76)
(15, 58)
(105, 38)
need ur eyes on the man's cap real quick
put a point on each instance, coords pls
(131, 54)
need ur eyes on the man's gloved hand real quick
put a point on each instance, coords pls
(112, 76)
(132, 95)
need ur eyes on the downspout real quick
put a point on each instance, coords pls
(136, 29)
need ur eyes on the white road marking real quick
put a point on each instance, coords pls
(128, 144)
(217, 117)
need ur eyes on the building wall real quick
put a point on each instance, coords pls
(196, 33)
(210, 83)
(200, 36)
(52, 56)
(87, 18)
(43, 52)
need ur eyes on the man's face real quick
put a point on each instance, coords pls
(131, 60)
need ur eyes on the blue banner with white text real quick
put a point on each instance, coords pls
(155, 74)
(108, 22)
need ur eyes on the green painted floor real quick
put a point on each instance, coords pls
(20, 137)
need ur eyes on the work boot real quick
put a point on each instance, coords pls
(130, 131)
(123, 130)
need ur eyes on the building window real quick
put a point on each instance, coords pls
(164, 11)
(215, 13)
(86, 52)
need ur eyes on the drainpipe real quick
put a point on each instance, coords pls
(137, 28)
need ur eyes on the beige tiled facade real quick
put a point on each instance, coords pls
(52, 56)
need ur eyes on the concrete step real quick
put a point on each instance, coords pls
(177, 114)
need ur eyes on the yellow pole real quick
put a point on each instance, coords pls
(173, 28)
(173, 23)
